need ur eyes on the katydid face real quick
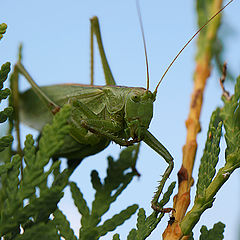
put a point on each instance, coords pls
(139, 111)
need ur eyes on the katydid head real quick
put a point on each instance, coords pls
(138, 111)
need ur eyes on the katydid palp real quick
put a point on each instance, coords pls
(99, 114)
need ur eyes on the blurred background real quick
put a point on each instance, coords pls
(56, 49)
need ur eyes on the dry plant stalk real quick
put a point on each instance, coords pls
(185, 180)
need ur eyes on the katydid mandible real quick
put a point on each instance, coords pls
(99, 114)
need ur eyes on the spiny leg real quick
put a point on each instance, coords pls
(107, 129)
(95, 30)
(151, 141)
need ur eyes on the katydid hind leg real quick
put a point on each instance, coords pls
(95, 30)
(83, 108)
(93, 122)
(152, 142)
(107, 129)
(52, 106)
(104, 128)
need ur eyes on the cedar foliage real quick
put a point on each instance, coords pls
(29, 199)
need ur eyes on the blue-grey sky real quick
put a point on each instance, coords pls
(56, 40)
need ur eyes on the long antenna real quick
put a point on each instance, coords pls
(144, 42)
(199, 30)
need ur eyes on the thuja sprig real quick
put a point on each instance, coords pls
(22, 205)
(107, 191)
(209, 183)
(5, 141)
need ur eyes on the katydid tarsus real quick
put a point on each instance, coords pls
(99, 114)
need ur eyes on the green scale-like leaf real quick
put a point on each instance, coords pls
(5, 142)
(117, 220)
(12, 203)
(79, 201)
(63, 226)
(7, 112)
(3, 28)
(116, 180)
(107, 192)
(39, 208)
(207, 186)
(145, 225)
(210, 155)
(116, 237)
(216, 233)
(4, 168)
(52, 136)
(44, 231)
(231, 120)
(5, 69)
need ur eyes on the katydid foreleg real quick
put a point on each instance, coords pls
(152, 142)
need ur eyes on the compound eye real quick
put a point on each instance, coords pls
(136, 98)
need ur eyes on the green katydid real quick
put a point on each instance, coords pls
(99, 115)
